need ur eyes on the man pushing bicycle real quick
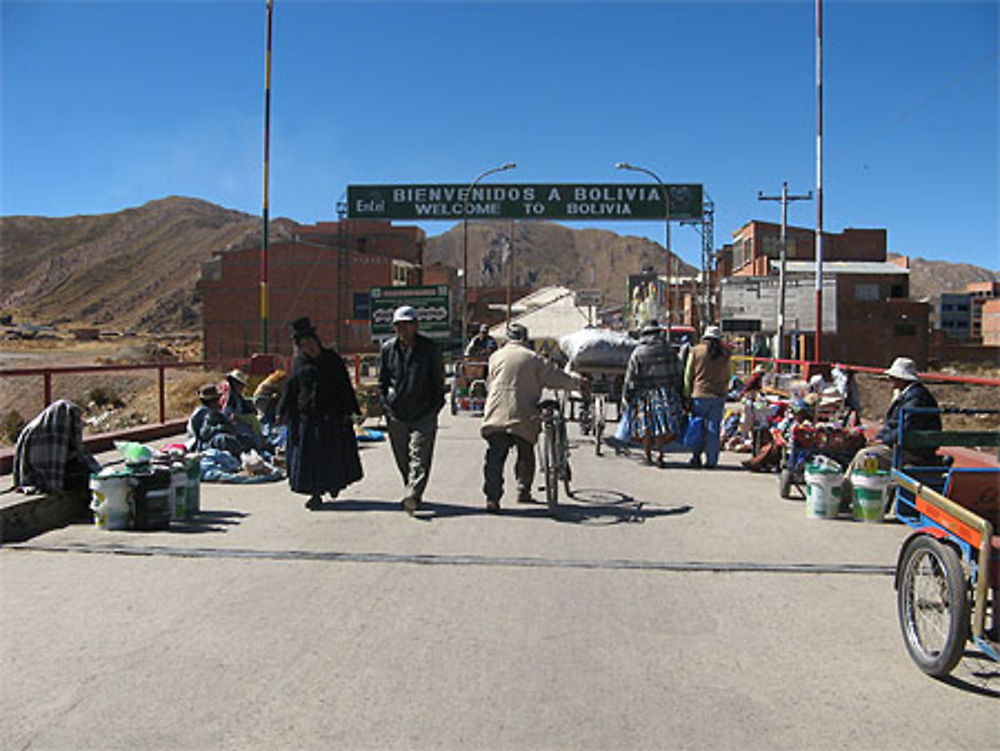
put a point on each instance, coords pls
(517, 377)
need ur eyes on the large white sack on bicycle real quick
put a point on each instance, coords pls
(597, 349)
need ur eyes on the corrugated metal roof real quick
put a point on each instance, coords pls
(841, 267)
(548, 313)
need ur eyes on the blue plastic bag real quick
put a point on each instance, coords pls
(694, 435)
(623, 432)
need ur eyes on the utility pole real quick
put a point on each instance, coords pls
(784, 198)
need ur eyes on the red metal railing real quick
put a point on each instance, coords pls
(803, 366)
(48, 371)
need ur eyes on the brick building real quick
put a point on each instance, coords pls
(875, 320)
(980, 293)
(756, 244)
(990, 323)
(953, 315)
(325, 272)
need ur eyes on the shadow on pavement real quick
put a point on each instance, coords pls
(600, 506)
(586, 506)
(208, 521)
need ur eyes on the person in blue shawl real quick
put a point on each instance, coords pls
(317, 406)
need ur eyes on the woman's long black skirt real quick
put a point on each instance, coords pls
(322, 456)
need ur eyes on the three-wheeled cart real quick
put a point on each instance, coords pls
(948, 569)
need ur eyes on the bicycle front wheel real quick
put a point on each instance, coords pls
(550, 466)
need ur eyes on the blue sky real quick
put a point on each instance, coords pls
(109, 105)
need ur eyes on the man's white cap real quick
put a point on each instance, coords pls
(404, 313)
(903, 368)
(712, 332)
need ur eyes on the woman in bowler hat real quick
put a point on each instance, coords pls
(317, 406)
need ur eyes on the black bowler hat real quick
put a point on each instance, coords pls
(302, 327)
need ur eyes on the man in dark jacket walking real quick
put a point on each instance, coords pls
(411, 388)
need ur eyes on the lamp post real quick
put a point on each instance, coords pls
(465, 245)
(666, 226)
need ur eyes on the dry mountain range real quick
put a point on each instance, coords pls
(137, 268)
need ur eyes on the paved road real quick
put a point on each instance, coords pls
(667, 609)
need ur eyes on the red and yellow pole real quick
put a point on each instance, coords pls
(267, 158)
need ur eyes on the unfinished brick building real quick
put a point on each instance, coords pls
(325, 272)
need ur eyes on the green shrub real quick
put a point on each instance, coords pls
(11, 425)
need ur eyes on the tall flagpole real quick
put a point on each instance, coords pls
(267, 157)
(817, 357)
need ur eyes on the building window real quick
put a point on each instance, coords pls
(362, 244)
(399, 275)
(897, 291)
(867, 292)
(771, 246)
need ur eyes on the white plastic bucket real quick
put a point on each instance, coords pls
(869, 495)
(822, 491)
(111, 499)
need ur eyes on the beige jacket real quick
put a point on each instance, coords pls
(517, 377)
(705, 377)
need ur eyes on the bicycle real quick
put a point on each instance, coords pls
(593, 417)
(554, 451)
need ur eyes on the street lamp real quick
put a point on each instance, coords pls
(666, 224)
(465, 245)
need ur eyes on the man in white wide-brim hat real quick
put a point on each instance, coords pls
(908, 392)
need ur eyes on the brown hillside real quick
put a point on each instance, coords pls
(132, 269)
(928, 279)
(547, 253)
(136, 269)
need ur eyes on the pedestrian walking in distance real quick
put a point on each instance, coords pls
(317, 406)
(411, 389)
(517, 377)
(706, 382)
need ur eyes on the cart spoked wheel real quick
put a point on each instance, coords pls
(933, 605)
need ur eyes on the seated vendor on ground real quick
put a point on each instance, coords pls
(243, 413)
(209, 427)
